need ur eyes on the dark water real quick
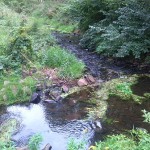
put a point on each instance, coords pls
(142, 86)
(126, 115)
(99, 66)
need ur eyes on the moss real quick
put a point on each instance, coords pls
(7, 128)
(122, 88)
(16, 90)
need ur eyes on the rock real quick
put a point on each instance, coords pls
(22, 148)
(96, 126)
(35, 98)
(90, 78)
(39, 87)
(82, 82)
(59, 99)
(65, 89)
(47, 147)
(50, 101)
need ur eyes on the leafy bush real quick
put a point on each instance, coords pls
(67, 63)
(129, 34)
(87, 12)
(126, 34)
(20, 47)
(116, 142)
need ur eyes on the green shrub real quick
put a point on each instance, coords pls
(20, 47)
(140, 140)
(116, 142)
(14, 89)
(67, 63)
(146, 116)
(87, 12)
(123, 33)
(74, 145)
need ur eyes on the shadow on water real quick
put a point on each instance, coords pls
(97, 65)
(125, 115)
(142, 86)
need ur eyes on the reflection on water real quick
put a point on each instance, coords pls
(54, 128)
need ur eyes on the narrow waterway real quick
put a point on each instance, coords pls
(60, 122)
(99, 66)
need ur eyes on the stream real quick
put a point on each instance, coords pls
(60, 122)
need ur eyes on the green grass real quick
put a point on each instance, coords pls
(75, 145)
(116, 142)
(34, 142)
(69, 66)
(124, 87)
(16, 90)
(122, 142)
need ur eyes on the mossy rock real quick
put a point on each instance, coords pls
(7, 128)
(123, 88)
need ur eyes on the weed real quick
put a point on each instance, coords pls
(14, 89)
(116, 142)
(146, 116)
(34, 142)
(68, 64)
(7, 146)
(74, 145)
(124, 87)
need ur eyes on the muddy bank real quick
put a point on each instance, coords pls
(99, 66)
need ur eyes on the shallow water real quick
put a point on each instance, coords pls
(56, 128)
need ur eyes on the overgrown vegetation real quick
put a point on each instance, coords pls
(113, 27)
(67, 63)
(13, 89)
(75, 145)
(121, 88)
(34, 142)
(26, 42)
(137, 139)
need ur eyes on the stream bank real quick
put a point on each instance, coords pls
(59, 122)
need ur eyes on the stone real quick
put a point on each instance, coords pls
(96, 126)
(47, 147)
(82, 82)
(50, 101)
(65, 89)
(90, 78)
(35, 98)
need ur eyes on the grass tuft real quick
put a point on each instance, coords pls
(69, 66)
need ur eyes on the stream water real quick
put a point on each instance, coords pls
(56, 126)
(58, 123)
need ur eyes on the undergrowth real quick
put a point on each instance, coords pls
(13, 89)
(69, 66)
